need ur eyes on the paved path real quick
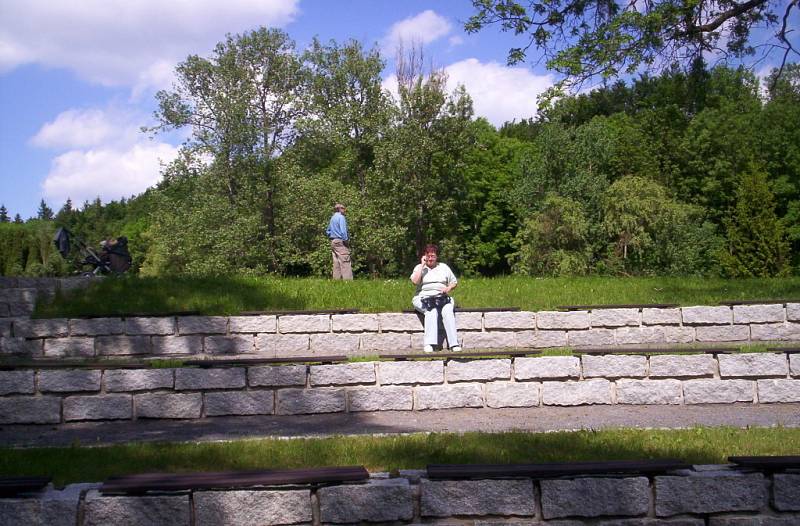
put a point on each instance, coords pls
(540, 419)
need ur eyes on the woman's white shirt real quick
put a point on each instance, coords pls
(434, 279)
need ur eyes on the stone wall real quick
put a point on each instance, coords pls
(52, 396)
(714, 495)
(18, 295)
(366, 334)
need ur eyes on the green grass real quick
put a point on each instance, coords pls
(232, 295)
(697, 446)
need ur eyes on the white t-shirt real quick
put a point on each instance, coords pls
(434, 279)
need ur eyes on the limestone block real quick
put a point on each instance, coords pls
(449, 498)
(509, 320)
(44, 328)
(240, 344)
(116, 380)
(639, 335)
(21, 512)
(21, 346)
(378, 501)
(780, 391)
(753, 520)
(343, 374)
(355, 323)
(775, 332)
(723, 333)
(758, 313)
(213, 508)
(578, 319)
(709, 494)
(469, 321)
(488, 340)
(30, 410)
(21, 309)
(794, 364)
(702, 315)
(793, 311)
(644, 392)
(614, 366)
(18, 294)
(310, 401)
(72, 380)
(679, 334)
(280, 345)
(13, 382)
(177, 345)
(390, 398)
(96, 326)
(449, 396)
(482, 370)
(595, 497)
(5, 328)
(103, 407)
(547, 367)
(682, 366)
(276, 376)
(305, 323)
(122, 345)
(202, 325)
(253, 324)
(585, 392)
(166, 510)
(386, 342)
(590, 338)
(411, 372)
(717, 391)
(68, 347)
(614, 317)
(239, 403)
(204, 379)
(168, 405)
(541, 339)
(512, 394)
(752, 364)
(786, 491)
(399, 322)
(150, 326)
(338, 343)
(652, 316)
(5, 312)
(49, 508)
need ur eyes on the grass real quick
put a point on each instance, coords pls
(388, 453)
(232, 295)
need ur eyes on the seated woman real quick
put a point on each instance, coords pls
(434, 282)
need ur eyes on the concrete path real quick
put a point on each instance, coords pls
(540, 419)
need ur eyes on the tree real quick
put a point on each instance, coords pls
(605, 38)
(4, 214)
(44, 212)
(18, 219)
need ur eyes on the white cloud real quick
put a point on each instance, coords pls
(76, 129)
(423, 28)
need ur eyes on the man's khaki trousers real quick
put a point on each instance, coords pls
(342, 267)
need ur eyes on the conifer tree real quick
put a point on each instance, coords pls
(4, 214)
(44, 212)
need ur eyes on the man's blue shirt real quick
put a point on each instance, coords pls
(337, 229)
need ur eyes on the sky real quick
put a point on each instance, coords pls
(78, 78)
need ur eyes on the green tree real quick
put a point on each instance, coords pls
(18, 219)
(4, 214)
(45, 212)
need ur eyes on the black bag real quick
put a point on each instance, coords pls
(435, 302)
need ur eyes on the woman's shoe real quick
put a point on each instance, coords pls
(455, 348)
(428, 348)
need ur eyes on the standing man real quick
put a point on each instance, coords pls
(340, 244)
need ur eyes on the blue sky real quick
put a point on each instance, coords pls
(78, 78)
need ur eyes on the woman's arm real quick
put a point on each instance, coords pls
(416, 276)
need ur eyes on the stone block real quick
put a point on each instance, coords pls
(595, 497)
(213, 508)
(717, 391)
(654, 316)
(547, 367)
(450, 498)
(449, 396)
(786, 491)
(378, 501)
(386, 342)
(355, 323)
(5, 328)
(753, 520)
(758, 313)
(343, 374)
(96, 326)
(150, 326)
(168, 405)
(202, 325)
(276, 376)
(21, 346)
(116, 380)
(794, 364)
(390, 398)
(103, 407)
(469, 321)
(305, 323)
(585, 392)
(391, 373)
(253, 324)
(282, 345)
(66, 381)
(541, 339)
(778, 391)
(679, 334)
(241, 344)
(614, 366)
(752, 364)
(169, 345)
(702, 315)
(590, 338)
(20, 309)
(572, 320)
(712, 493)
(775, 332)
(30, 410)
(44, 328)
(509, 320)
(614, 317)
(16, 382)
(399, 322)
(723, 333)
(122, 345)
(204, 379)
(646, 392)
(338, 343)
(793, 311)
(5, 312)
(68, 347)
(310, 401)
(48, 508)
(18, 294)
(481, 370)
(682, 366)
(488, 340)
(512, 394)
(639, 335)
(165, 510)
(239, 403)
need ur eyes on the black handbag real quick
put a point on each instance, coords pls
(435, 302)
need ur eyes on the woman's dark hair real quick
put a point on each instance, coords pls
(430, 247)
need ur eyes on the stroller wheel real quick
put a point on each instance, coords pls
(87, 274)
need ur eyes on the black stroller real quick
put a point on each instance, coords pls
(112, 258)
